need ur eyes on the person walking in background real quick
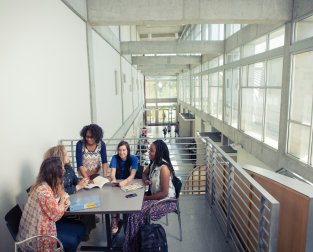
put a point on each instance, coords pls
(164, 132)
(169, 130)
(123, 166)
(91, 153)
(163, 116)
(158, 177)
(177, 129)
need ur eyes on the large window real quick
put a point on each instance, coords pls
(231, 96)
(215, 96)
(304, 29)
(300, 112)
(260, 111)
(255, 47)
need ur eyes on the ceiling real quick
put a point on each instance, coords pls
(160, 24)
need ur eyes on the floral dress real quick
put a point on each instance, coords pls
(39, 216)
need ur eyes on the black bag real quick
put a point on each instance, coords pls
(152, 238)
(177, 184)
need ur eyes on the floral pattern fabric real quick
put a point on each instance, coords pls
(39, 216)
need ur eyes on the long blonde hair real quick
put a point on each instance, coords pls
(56, 151)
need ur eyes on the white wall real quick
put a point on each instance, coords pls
(43, 61)
(108, 102)
(127, 91)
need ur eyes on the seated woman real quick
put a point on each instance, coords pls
(45, 205)
(158, 177)
(71, 185)
(91, 152)
(123, 166)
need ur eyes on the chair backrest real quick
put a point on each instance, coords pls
(12, 219)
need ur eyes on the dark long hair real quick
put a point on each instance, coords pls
(119, 160)
(51, 172)
(162, 154)
(95, 130)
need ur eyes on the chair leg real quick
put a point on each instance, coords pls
(179, 222)
(166, 219)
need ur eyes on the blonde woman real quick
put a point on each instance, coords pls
(72, 185)
(71, 181)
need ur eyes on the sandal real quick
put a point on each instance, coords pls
(114, 226)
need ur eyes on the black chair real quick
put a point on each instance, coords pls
(13, 218)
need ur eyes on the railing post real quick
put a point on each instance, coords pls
(212, 165)
(230, 186)
(261, 224)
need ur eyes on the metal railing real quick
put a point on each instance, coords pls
(248, 214)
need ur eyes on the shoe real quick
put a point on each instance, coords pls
(114, 226)
(97, 219)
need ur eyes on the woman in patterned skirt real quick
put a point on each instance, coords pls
(158, 177)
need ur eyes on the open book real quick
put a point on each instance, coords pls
(131, 187)
(98, 181)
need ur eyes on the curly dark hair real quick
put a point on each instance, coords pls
(95, 130)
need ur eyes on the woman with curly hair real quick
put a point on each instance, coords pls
(159, 178)
(91, 152)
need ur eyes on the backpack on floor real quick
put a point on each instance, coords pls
(152, 238)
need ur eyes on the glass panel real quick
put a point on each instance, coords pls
(254, 47)
(235, 96)
(298, 144)
(277, 38)
(274, 72)
(252, 112)
(228, 96)
(213, 97)
(304, 29)
(197, 93)
(232, 56)
(244, 76)
(220, 103)
(150, 89)
(205, 93)
(301, 90)
(272, 113)
(256, 74)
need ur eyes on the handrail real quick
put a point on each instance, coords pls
(248, 214)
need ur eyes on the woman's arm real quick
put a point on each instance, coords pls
(50, 206)
(129, 179)
(79, 159)
(104, 159)
(134, 168)
(145, 176)
(165, 176)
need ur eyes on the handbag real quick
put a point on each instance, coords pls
(177, 185)
(152, 238)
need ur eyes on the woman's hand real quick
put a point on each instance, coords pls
(65, 200)
(148, 182)
(82, 184)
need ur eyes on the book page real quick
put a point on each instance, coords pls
(98, 182)
(131, 187)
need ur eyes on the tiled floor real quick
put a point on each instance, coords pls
(201, 231)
